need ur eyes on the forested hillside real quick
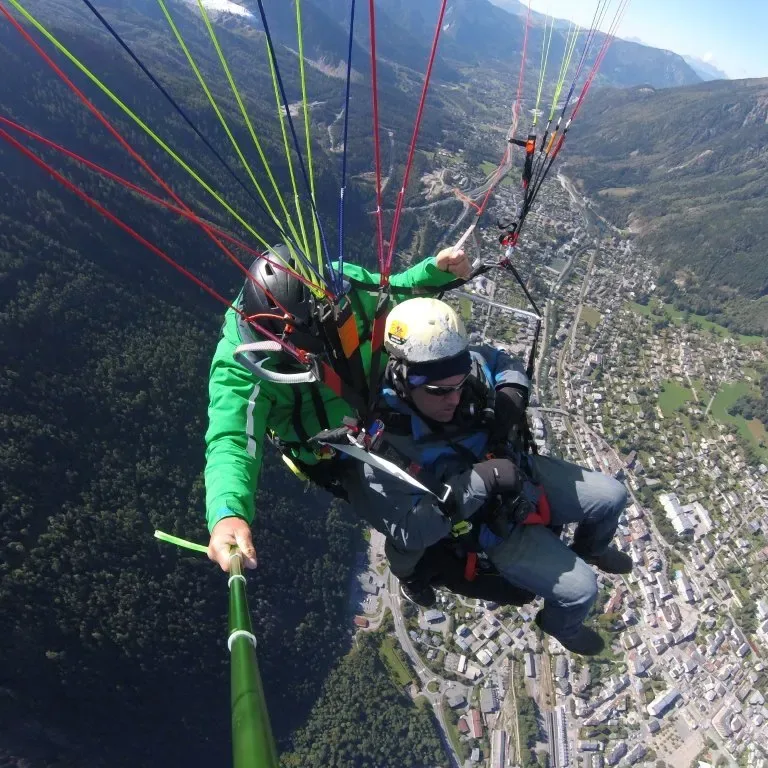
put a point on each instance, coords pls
(362, 721)
(113, 648)
(685, 171)
(112, 651)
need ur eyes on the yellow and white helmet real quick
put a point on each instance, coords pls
(424, 330)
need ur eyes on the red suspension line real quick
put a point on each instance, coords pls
(516, 108)
(152, 198)
(416, 128)
(384, 274)
(135, 235)
(123, 143)
(515, 117)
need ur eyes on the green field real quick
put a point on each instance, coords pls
(673, 397)
(656, 310)
(641, 309)
(752, 431)
(459, 747)
(590, 316)
(399, 670)
(488, 168)
(702, 390)
(726, 397)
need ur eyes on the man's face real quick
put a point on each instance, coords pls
(438, 400)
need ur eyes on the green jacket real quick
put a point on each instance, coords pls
(242, 407)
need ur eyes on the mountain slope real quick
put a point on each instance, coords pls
(685, 169)
(478, 32)
(704, 69)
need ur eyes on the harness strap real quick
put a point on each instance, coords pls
(298, 426)
(340, 333)
(317, 402)
(377, 342)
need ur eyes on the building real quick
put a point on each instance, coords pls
(617, 753)
(433, 616)
(456, 700)
(369, 585)
(475, 724)
(530, 665)
(489, 701)
(362, 622)
(681, 522)
(499, 749)
(662, 702)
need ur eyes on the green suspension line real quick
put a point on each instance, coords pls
(219, 115)
(289, 157)
(249, 124)
(307, 125)
(570, 47)
(136, 119)
(543, 69)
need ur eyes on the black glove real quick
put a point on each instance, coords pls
(501, 477)
(509, 408)
(517, 509)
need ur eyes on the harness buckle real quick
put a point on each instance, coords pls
(462, 528)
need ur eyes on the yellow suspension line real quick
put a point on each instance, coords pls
(244, 112)
(216, 109)
(543, 69)
(127, 110)
(286, 147)
(570, 47)
(300, 35)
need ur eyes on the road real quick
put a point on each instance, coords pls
(425, 675)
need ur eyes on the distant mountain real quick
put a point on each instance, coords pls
(512, 6)
(485, 28)
(704, 69)
(685, 170)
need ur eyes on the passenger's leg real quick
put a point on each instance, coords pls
(577, 495)
(533, 558)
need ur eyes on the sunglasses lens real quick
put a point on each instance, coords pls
(442, 391)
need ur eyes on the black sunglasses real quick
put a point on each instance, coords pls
(441, 390)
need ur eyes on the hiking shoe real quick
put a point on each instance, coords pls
(421, 595)
(611, 561)
(586, 642)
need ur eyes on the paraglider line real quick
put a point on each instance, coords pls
(343, 188)
(414, 138)
(335, 282)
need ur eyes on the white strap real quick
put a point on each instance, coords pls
(233, 577)
(241, 633)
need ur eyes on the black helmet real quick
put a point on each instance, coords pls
(275, 291)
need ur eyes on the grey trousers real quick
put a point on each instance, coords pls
(534, 558)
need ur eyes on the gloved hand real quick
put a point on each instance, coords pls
(517, 509)
(500, 476)
(510, 413)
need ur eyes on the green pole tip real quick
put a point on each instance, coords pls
(183, 543)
